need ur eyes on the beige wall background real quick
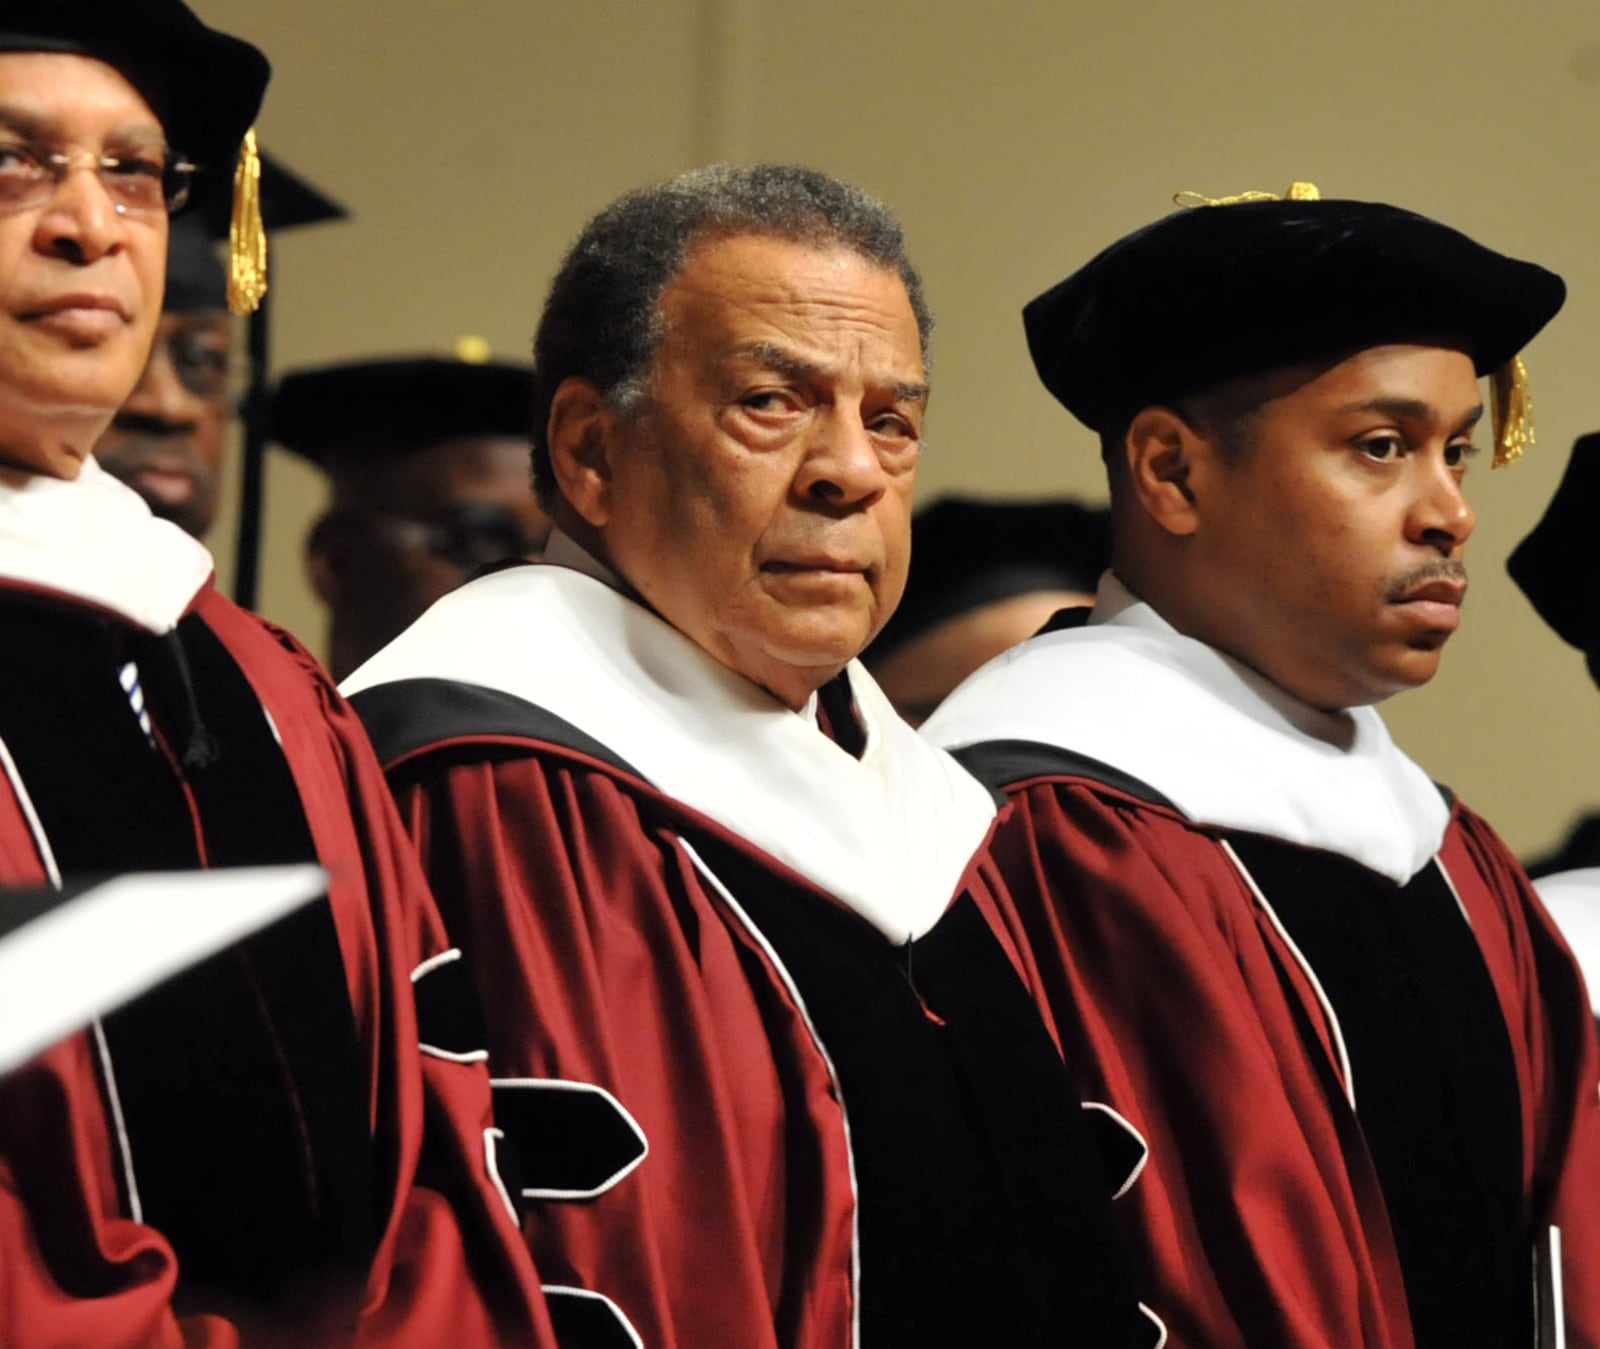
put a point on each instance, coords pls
(471, 138)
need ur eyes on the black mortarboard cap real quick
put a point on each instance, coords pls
(1211, 293)
(196, 278)
(362, 409)
(287, 202)
(967, 552)
(205, 86)
(1558, 565)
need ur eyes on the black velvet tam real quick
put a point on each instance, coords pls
(371, 409)
(1212, 293)
(205, 86)
(1557, 565)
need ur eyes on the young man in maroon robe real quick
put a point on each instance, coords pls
(1317, 983)
(290, 1143)
(779, 1080)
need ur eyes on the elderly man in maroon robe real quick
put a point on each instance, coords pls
(778, 1077)
(1316, 982)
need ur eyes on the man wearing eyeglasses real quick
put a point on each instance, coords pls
(427, 464)
(167, 441)
(290, 1142)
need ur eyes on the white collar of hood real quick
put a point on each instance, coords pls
(889, 834)
(94, 540)
(1224, 744)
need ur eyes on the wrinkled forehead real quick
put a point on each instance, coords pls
(755, 295)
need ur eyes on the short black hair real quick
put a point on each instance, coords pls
(1228, 413)
(602, 320)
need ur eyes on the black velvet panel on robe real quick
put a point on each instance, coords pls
(1435, 1083)
(984, 1208)
(985, 1212)
(239, 1080)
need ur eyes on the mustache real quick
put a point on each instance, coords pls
(1445, 569)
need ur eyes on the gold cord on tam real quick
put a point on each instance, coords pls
(1296, 192)
(247, 233)
(1510, 411)
(1510, 401)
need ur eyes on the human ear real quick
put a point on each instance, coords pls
(327, 551)
(1162, 451)
(580, 436)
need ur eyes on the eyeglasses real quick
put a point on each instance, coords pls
(204, 362)
(30, 176)
(465, 534)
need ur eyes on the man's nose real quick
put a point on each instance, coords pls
(1441, 516)
(80, 222)
(842, 465)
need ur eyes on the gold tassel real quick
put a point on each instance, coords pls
(1296, 192)
(1510, 411)
(247, 233)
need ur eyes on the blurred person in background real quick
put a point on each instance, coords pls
(168, 440)
(985, 575)
(427, 465)
(1556, 568)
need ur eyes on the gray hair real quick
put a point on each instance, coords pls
(602, 321)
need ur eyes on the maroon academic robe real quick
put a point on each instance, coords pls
(1257, 1220)
(1181, 1000)
(741, 1226)
(441, 1262)
(657, 974)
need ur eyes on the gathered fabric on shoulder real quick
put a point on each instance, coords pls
(149, 1170)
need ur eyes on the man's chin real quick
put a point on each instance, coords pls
(1419, 667)
(169, 485)
(1408, 670)
(181, 508)
(791, 677)
(822, 655)
(163, 489)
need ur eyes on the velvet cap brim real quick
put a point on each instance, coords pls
(372, 409)
(1210, 294)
